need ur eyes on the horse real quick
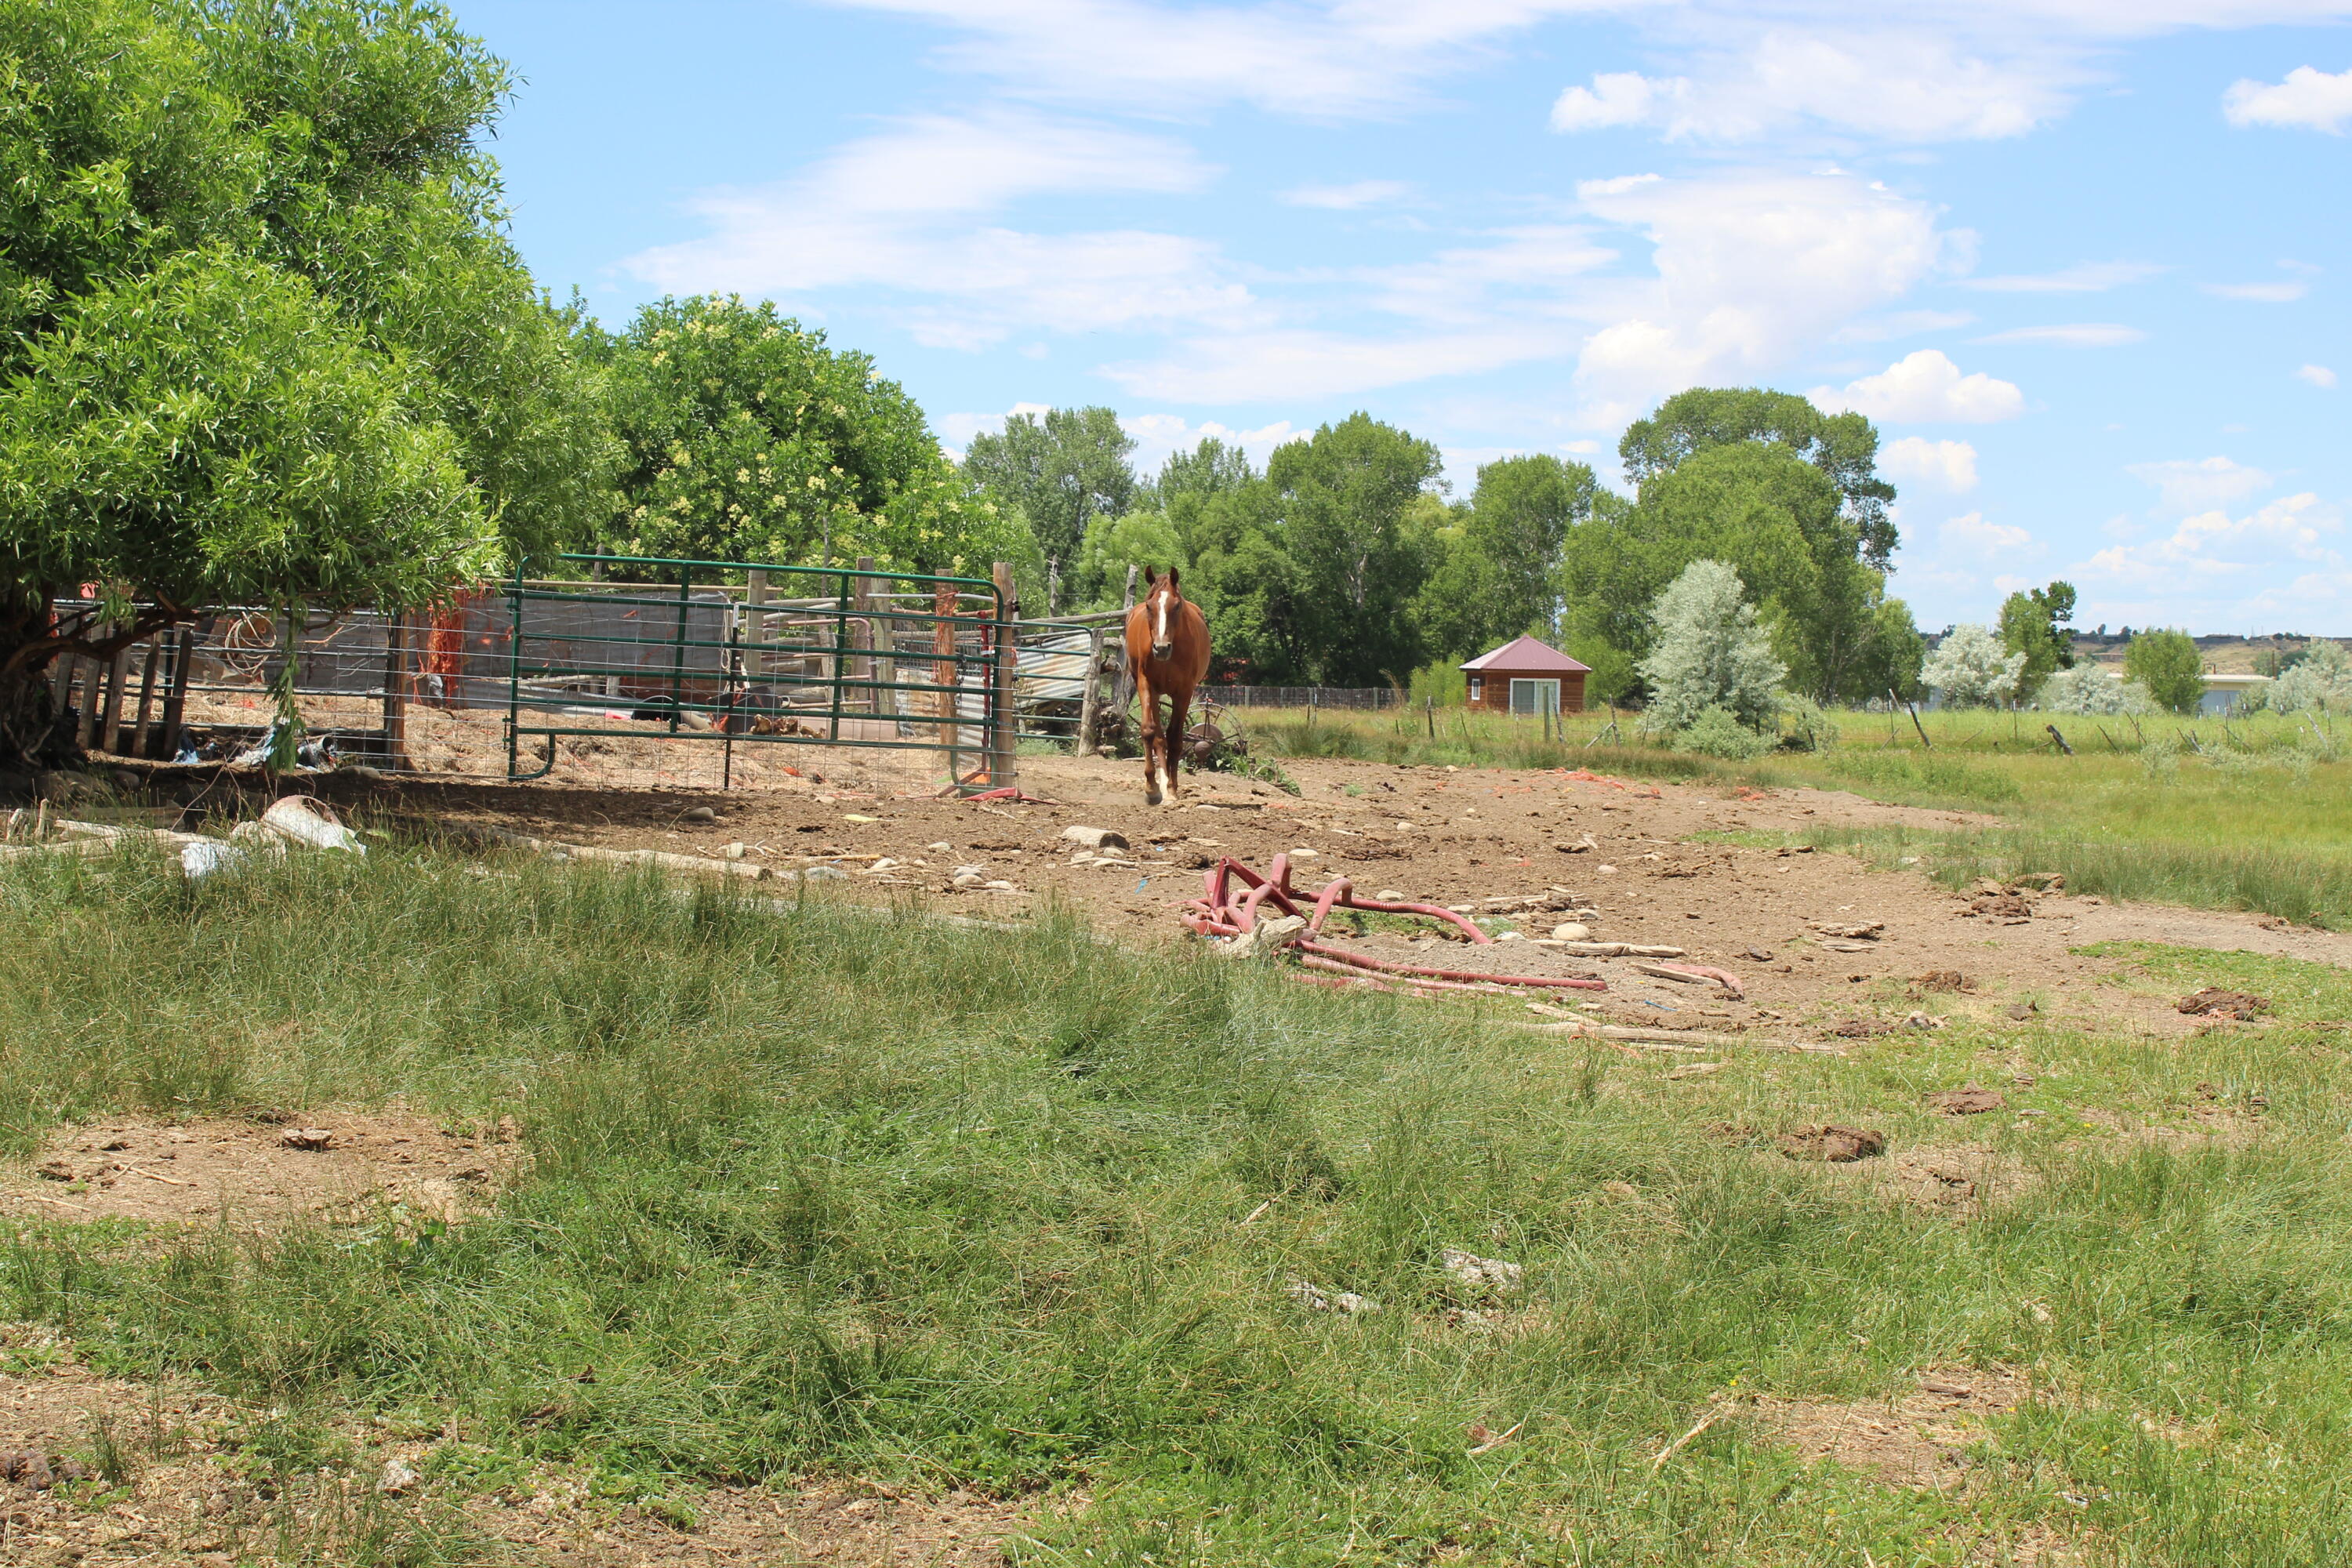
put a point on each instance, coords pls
(1167, 652)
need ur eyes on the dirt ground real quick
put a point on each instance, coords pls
(868, 821)
(251, 1175)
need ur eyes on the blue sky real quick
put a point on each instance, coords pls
(2083, 261)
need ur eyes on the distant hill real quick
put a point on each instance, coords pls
(2223, 654)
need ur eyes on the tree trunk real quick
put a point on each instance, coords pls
(33, 735)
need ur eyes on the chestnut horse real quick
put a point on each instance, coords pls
(1168, 652)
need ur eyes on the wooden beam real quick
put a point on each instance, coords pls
(1004, 770)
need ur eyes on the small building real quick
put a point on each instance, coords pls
(1524, 676)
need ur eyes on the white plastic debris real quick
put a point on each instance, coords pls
(306, 820)
(207, 856)
(1097, 838)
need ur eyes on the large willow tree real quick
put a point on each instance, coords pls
(262, 337)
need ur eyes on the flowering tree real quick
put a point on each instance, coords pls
(2088, 690)
(2321, 681)
(1710, 653)
(1972, 669)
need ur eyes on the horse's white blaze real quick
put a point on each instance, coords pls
(1159, 610)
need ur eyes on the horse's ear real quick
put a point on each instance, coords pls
(1151, 578)
(1172, 576)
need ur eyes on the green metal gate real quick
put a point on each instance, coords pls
(734, 653)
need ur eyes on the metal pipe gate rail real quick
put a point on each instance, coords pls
(736, 653)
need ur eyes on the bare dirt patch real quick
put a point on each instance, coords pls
(252, 1175)
(1956, 1180)
(1916, 1439)
(831, 1523)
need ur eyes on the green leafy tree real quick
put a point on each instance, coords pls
(1359, 543)
(2035, 624)
(1209, 469)
(1311, 573)
(1844, 446)
(1499, 576)
(1140, 539)
(748, 438)
(2169, 664)
(1061, 471)
(262, 335)
(1774, 518)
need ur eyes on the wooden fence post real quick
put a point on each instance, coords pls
(1004, 772)
(175, 700)
(139, 727)
(396, 692)
(1090, 696)
(1120, 690)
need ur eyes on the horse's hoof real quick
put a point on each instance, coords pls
(1151, 797)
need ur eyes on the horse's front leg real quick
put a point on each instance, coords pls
(1154, 742)
(1179, 739)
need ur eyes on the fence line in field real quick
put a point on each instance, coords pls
(1364, 697)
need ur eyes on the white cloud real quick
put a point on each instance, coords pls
(1348, 197)
(906, 211)
(2284, 293)
(2087, 278)
(1747, 269)
(1941, 465)
(1314, 61)
(956, 430)
(1969, 534)
(1926, 387)
(2318, 375)
(1894, 83)
(1750, 269)
(1617, 99)
(2184, 485)
(2307, 100)
(2212, 544)
(2077, 335)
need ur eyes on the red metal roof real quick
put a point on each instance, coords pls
(1521, 655)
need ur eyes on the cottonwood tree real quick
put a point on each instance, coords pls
(750, 439)
(2169, 664)
(1843, 447)
(1777, 520)
(2035, 623)
(1971, 669)
(1709, 654)
(1062, 471)
(262, 336)
(1498, 573)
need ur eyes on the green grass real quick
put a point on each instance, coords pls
(815, 1190)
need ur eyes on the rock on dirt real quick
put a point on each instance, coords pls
(1840, 1145)
(1096, 838)
(2213, 1002)
(1864, 931)
(1968, 1102)
(313, 1140)
(37, 1471)
(1944, 980)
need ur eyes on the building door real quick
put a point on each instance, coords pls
(1531, 696)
